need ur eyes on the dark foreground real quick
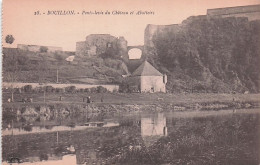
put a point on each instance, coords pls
(215, 137)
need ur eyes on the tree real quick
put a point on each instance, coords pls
(12, 76)
(9, 39)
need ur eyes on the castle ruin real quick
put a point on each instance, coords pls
(252, 12)
(98, 44)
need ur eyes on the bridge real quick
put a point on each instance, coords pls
(140, 47)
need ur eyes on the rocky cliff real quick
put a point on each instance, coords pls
(207, 53)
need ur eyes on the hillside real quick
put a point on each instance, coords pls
(203, 54)
(27, 66)
(207, 54)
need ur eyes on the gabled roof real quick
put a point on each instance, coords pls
(133, 64)
(146, 69)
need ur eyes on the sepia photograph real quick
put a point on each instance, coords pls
(130, 82)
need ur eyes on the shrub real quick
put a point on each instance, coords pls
(101, 89)
(81, 90)
(49, 89)
(87, 90)
(17, 90)
(70, 89)
(123, 88)
(39, 90)
(27, 88)
(93, 90)
(59, 90)
(58, 56)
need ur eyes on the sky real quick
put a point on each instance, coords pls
(65, 30)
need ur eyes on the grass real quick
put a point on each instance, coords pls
(135, 98)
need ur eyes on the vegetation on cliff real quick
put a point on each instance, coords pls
(209, 54)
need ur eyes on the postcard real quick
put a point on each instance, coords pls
(130, 82)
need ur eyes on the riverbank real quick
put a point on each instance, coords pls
(70, 108)
(132, 98)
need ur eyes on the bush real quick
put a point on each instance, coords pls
(59, 90)
(39, 90)
(58, 56)
(123, 88)
(27, 88)
(70, 89)
(17, 90)
(87, 90)
(93, 90)
(101, 89)
(49, 89)
(81, 90)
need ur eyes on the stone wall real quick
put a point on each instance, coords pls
(252, 12)
(36, 48)
(110, 88)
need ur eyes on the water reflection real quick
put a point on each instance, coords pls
(153, 128)
(48, 159)
(156, 138)
(28, 129)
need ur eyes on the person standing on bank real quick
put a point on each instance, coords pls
(88, 99)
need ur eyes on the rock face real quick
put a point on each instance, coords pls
(102, 44)
(212, 54)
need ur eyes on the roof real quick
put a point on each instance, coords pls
(146, 69)
(133, 64)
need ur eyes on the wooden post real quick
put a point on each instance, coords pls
(12, 127)
(44, 96)
(57, 75)
(57, 136)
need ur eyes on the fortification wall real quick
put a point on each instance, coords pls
(251, 12)
(83, 48)
(36, 48)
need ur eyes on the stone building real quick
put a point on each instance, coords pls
(147, 79)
